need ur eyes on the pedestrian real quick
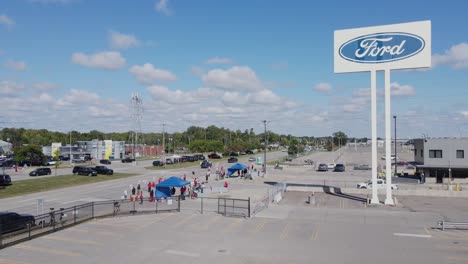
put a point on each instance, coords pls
(149, 186)
(173, 190)
(133, 190)
(141, 197)
(153, 184)
(195, 182)
(125, 194)
(138, 188)
(159, 180)
(151, 196)
(185, 177)
(182, 192)
(226, 185)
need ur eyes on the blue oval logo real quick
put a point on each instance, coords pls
(382, 47)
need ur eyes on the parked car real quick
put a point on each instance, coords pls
(408, 170)
(5, 180)
(248, 151)
(242, 153)
(339, 168)
(51, 162)
(190, 158)
(205, 164)
(322, 167)
(169, 161)
(76, 169)
(232, 160)
(362, 167)
(331, 166)
(158, 163)
(103, 170)
(11, 221)
(232, 153)
(87, 171)
(252, 159)
(127, 160)
(104, 161)
(214, 156)
(380, 185)
(200, 156)
(40, 171)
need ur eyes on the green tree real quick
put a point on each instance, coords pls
(29, 153)
(340, 138)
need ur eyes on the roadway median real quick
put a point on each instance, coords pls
(51, 183)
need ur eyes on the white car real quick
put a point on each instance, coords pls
(380, 185)
(51, 162)
(331, 166)
(252, 159)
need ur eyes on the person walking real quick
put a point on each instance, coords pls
(141, 197)
(133, 190)
(185, 177)
(138, 188)
(151, 196)
(182, 192)
(149, 186)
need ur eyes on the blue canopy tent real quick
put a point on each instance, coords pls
(163, 189)
(235, 168)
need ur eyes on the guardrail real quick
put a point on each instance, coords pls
(447, 224)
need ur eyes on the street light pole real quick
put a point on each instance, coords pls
(265, 149)
(164, 145)
(70, 150)
(394, 118)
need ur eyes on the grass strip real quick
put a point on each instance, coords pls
(52, 183)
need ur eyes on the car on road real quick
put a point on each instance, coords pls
(103, 170)
(87, 171)
(339, 168)
(362, 167)
(11, 221)
(380, 185)
(331, 166)
(105, 161)
(252, 159)
(408, 170)
(5, 180)
(158, 163)
(214, 156)
(127, 160)
(199, 156)
(322, 167)
(232, 160)
(205, 164)
(40, 171)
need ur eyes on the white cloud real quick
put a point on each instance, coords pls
(162, 93)
(78, 97)
(197, 70)
(5, 20)
(10, 89)
(148, 74)
(401, 90)
(266, 97)
(456, 57)
(44, 86)
(16, 65)
(464, 114)
(162, 6)
(218, 60)
(118, 40)
(362, 92)
(235, 78)
(109, 60)
(45, 98)
(323, 87)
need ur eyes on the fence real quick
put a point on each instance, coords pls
(269, 197)
(234, 207)
(14, 232)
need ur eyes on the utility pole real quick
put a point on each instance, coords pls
(164, 144)
(71, 158)
(264, 154)
(394, 118)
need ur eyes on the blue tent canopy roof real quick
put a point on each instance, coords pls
(173, 181)
(235, 168)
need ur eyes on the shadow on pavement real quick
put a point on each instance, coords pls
(337, 192)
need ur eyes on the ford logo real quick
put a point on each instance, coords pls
(381, 47)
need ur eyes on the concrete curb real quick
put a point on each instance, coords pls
(428, 192)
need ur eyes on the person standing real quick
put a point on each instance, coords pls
(182, 192)
(185, 177)
(151, 196)
(149, 186)
(133, 190)
(141, 197)
(125, 194)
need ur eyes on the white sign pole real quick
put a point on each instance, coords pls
(375, 198)
(388, 140)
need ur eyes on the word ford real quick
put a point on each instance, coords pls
(369, 47)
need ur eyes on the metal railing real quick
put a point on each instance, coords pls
(234, 207)
(456, 225)
(62, 218)
(268, 198)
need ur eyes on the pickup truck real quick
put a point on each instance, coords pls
(380, 185)
(127, 160)
(103, 170)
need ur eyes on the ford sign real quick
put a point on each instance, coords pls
(381, 47)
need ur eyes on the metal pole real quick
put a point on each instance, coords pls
(70, 150)
(396, 172)
(264, 154)
(164, 141)
(249, 206)
(375, 198)
(388, 140)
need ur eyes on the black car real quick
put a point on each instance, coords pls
(232, 153)
(199, 156)
(40, 171)
(127, 160)
(248, 151)
(158, 163)
(103, 170)
(76, 169)
(205, 164)
(87, 171)
(339, 168)
(11, 221)
(232, 160)
(5, 180)
(104, 161)
(214, 156)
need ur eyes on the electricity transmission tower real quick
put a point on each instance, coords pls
(136, 135)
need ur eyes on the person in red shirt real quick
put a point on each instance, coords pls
(159, 180)
(149, 186)
(185, 177)
(226, 184)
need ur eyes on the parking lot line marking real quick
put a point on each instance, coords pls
(412, 235)
(49, 251)
(66, 239)
(96, 232)
(184, 220)
(231, 226)
(284, 233)
(182, 253)
(451, 238)
(315, 233)
(260, 226)
(9, 261)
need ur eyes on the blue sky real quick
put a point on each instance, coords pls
(73, 64)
